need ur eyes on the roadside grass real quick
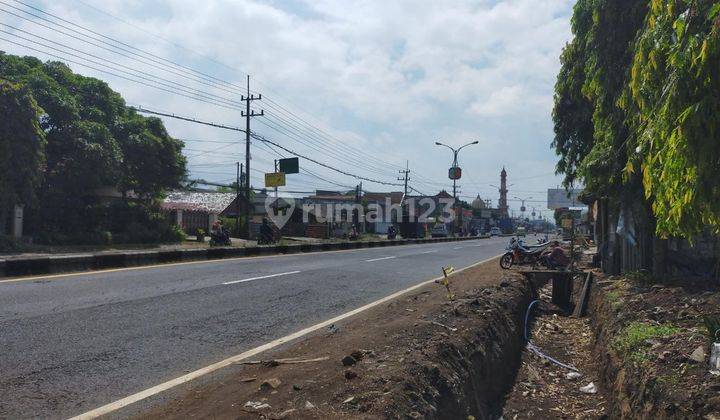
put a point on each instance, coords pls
(631, 343)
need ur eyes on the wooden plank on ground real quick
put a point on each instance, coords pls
(562, 291)
(581, 306)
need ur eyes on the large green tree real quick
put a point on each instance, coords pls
(22, 145)
(675, 102)
(650, 72)
(94, 141)
(591, 129)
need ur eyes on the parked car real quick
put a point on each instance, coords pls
(495, 231)
(520, 231)
(439, 231)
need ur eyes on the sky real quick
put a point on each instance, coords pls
(361, 86)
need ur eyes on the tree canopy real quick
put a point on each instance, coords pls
(675, 103)
(636, 107)
(22, 145)
(93, 141)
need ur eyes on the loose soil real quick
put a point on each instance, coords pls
(653, 345)
(542, 388)
(420, 356)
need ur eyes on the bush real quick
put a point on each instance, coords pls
(10, 244)
(117, 223)
(230, 224)
(173, 234)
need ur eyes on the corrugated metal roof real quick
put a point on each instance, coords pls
(210, 202)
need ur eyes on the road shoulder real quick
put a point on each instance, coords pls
(379, 362)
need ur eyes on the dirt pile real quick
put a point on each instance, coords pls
(420, 356)
(653, 346)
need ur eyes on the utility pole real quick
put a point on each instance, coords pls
(276, 188)
(404, 213)
(359, 200)
(238, 186)
(405, 177)
(247, 114)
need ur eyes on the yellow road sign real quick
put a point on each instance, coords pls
(275, 179)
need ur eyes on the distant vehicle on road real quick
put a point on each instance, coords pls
(520, 231)
(495, 231)
(439, 231)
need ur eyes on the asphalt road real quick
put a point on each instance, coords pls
(71, 344)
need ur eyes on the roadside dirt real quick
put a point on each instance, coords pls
(653, 345)
(420, 356)
(544, 389)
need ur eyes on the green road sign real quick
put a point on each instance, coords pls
(289, 165)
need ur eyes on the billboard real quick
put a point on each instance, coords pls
(290, 165)
(558, 198)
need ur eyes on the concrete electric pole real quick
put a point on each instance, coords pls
(247, 114)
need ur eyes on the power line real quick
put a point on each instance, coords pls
(188, 119)
(130, 48)
(279, 107)
(115, 74)
(265, 140)
(145, 55)
(129, 70)
(174, 87)
(333, 155)
(131, 52)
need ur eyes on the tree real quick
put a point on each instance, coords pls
(591, 129)
(649, 71)
(22, 144)
(674, 94)
(572, 113)
(93, 140)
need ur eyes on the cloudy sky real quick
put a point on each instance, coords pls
(362, 86)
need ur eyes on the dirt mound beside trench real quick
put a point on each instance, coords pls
(420, 356)
(653, 347)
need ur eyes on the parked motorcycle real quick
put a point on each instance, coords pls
(391, 233)
(220, 237)
(520, 254)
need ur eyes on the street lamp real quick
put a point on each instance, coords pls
(455, 165)
(522, 208)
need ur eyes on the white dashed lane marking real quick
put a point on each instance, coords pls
(261, 277)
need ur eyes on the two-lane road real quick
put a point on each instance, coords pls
(72, 343)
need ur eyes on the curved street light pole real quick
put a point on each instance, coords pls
(455, 163)
(523, 204)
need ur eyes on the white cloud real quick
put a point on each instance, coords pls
(390, 78)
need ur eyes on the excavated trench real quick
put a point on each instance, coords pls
(424, 356)
(470, 376)
(489, 374)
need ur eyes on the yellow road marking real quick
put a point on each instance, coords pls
(131, 399)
